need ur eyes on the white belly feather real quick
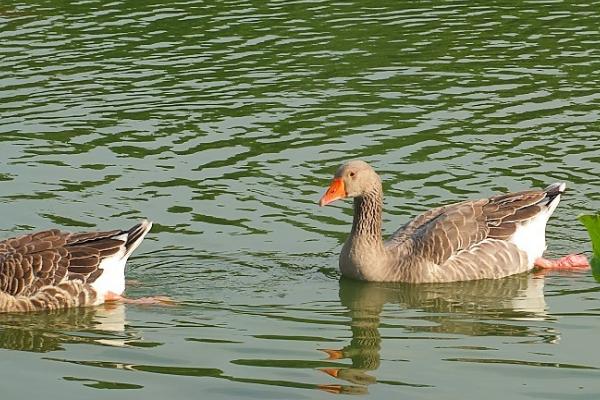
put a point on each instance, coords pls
(113, 275)
(530, 236)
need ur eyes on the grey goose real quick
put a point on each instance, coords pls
(477, 239)
(53, 269)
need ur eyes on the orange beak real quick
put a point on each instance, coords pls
(335, 192)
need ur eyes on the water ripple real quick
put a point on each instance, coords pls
(224, 123)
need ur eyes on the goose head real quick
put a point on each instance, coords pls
(352, 179)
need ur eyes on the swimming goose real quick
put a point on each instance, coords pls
(54, 269)
(481, 239)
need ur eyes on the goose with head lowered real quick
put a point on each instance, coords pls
(478, 239)
(54, 269)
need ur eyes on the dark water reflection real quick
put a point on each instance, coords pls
(446, 316)
(48, 332)
(439, 313)
(476, 308)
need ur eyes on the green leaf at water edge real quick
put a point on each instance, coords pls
(592, 224)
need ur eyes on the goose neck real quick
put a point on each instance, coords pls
(367, 216)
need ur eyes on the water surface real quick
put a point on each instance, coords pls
(223, 122)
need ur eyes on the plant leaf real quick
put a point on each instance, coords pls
(592, 224)
(595, 263)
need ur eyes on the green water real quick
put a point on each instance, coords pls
(224, 121)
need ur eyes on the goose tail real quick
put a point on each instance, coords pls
(135, 236)
(553, 193)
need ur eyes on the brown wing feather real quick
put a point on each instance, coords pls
(503, 213)
(53, 269)
(30, 262)
(406, 231)
(81, 237)
(452, 237)
(489, 259)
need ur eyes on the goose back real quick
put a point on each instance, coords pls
(471, 239)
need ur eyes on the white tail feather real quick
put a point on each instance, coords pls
(113, 275)
(530, 236)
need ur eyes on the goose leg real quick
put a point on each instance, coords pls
(153, 300)
(570, 262)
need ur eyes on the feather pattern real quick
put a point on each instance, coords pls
(53, 269)
(480, 239)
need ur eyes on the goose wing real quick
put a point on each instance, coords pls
(47, 258)
(471, 239)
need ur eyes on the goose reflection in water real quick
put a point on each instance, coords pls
(487, 304)
(48, 331)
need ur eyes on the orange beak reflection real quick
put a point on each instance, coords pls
(331, 371)
(335, 192)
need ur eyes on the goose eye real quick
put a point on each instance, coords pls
(352, 174)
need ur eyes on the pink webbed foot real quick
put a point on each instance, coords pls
(570, 262)
(153, 300)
